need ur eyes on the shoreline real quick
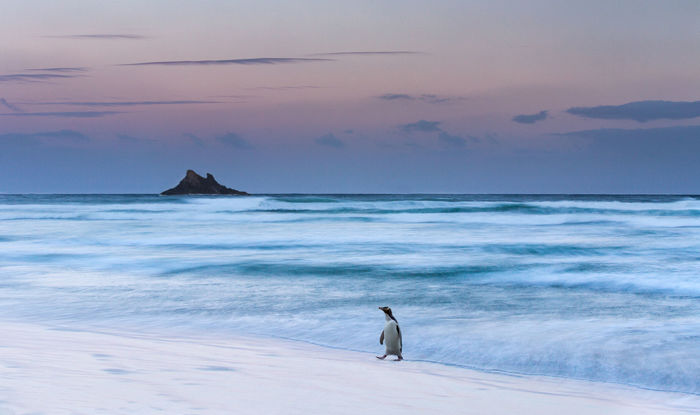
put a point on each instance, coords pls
(54, 369)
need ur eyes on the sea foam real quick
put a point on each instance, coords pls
(605, 288)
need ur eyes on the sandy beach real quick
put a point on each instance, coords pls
(54, 370)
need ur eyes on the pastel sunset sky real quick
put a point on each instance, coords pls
(359, 96)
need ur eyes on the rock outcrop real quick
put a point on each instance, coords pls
(194, 184)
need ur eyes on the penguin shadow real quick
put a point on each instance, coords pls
(390, 360)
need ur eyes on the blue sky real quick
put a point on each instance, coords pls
(364, 96)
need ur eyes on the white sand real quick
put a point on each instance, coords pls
(54, 371)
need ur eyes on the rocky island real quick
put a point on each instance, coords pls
(194, 184)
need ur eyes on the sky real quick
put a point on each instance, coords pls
(376, 96)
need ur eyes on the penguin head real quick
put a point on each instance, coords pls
(388, 312)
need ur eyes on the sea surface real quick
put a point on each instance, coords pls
(604, 288)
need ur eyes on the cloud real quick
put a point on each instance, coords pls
(658, 135)
(195, 140)
(641, 111)
(396, 97)
(451, 140)
(33, 77)
(118, 36)
(67, 114)
(11, 107)
(46, 137)
(443, 136)
(531, 118)
(123, 103)
(330, 140)
(76, 69)
(421, 126)
(370, 53)
(437, 99)
(234, 140)
(250, 61)
(427, 98)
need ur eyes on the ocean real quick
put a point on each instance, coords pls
(603, 288)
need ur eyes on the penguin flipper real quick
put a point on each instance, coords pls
(381, 338)
(398, 330)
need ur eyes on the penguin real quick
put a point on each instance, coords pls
(392, 335)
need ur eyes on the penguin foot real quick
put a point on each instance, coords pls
(398, 359)
(381, 357)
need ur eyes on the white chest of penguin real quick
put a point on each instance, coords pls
(392, 340)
